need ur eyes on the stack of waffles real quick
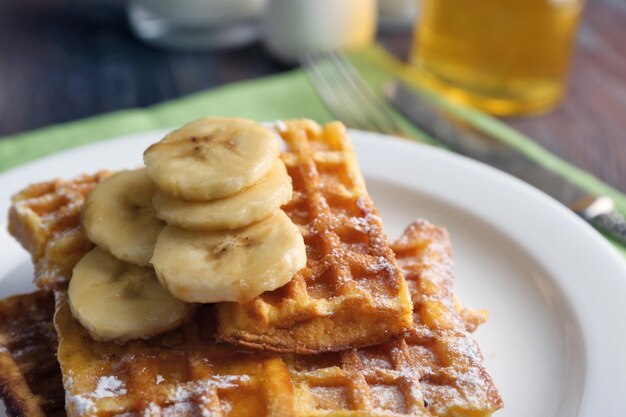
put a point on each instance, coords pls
(367, 328)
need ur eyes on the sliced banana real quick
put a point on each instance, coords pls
(210, 267)
(211, 158)
(249, 206)
(119, 217)
(119, 301)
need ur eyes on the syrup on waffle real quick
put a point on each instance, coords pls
(45, 219)
(351, 293)
(30, 378)
(435, 371)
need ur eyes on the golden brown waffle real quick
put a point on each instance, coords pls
(437, 361)
(351, 292)
(45, 219)
(20, 312)
(30, 378)
(436, 371)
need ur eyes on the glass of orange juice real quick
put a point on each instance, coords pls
(505, 57)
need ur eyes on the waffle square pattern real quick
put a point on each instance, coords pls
(437, 370)
(351, 293)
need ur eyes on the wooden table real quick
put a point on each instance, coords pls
(62, 60)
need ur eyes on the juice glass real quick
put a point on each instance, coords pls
(502, 56)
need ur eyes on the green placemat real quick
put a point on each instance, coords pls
(287, 95)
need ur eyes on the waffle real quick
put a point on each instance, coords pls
(350, 273)
(351, 292)
(436, 370)
(387, 378)
(30, 378)
(45, 219)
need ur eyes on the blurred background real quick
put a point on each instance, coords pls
(62, 60)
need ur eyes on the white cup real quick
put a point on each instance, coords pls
(292, 27)
(196, 24)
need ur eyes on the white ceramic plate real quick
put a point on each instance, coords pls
(556, 290)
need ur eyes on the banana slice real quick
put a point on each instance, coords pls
(119, 217)
(249, 206)
(229, 266)
(211, 158)
(119, 301)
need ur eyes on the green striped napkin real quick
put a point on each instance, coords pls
(287, 95)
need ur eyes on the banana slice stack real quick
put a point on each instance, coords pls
(114, 292)
(220, 185)
(200, 224)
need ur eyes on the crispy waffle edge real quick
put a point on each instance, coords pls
(45, 219)
(30, 379)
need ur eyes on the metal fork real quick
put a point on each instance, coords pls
(347, 95)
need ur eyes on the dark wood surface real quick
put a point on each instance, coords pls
(62, 60)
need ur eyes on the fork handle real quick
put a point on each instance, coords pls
(612, 223)
(600, 213)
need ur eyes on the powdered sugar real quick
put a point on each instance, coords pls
(78, 404)
(360, 223)
(382, 264)
(180, 409)
(181, 400)
(226, 408)
(181, 394)
(109, 386)
(193, 389)
(81, 404)
(152, 410)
